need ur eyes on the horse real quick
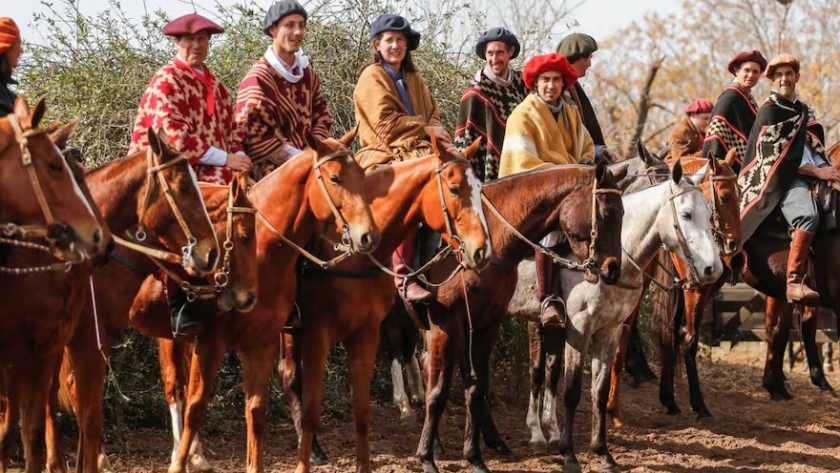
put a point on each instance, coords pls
(40, 199)
(322, 184)
(45, 323)
(349, 302)
(720, 191)
(672, 213)
(583, 203)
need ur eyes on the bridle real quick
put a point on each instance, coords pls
(717, 228)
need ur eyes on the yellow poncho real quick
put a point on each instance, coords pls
(533, 138)
(386, 131)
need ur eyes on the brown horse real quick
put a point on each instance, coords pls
(463, 331)
(40, 199)
(323, 184)
(46, 322)
(347, 304)
(720, 190)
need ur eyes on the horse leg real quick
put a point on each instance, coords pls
(414, 380)
(536, 353)
(314, 352)
(603, 355)
(695, 301)
(636, 364)
(669, 346)
(573, 380)
(441, 353)
(808, 333)
(361, 357)
(86, 365)
(828, 355)
(257, 363)
(32, 384)
(206, 359)
(9, 419)
(55, 457)
(778, 314)
(613, 403)
(399, 394)
(553, 343)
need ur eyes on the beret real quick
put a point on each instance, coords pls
(280, 10)
(577, 45)
(392, 22)
(9, 34)
(549, 62)
(191, 24)
(782, 60)
(699, 105)
(746, 56)
(496, 34)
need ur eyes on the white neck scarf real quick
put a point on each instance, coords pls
(494, 78)
(285, 71)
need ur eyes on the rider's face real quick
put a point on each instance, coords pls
(550, 86)
(784, 81)
(748, 74)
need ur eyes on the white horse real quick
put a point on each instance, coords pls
(672, 213)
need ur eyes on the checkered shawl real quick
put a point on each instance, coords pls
(732, 120)
(774, 152)
(175, 100)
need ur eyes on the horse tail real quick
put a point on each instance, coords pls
(66, 384)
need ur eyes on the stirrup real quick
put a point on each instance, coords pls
(548, 300)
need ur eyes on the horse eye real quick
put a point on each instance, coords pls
(455, 191)
(56, 167)
(686, 215)
(335, 179)
(724, 198)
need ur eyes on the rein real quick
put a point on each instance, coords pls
(717, 230)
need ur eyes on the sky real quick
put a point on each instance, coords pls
(597, 18)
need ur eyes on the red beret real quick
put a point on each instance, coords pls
(747, 56)
(699, 105)
(191, 24)
(9, 34)
(549, 62)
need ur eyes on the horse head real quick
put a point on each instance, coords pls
(724, 201)
(179, 219)
(642, 171)
(40, 192)
(452, 203)
(237, 275)
(687, 232)
(336, 188)
(591, 219)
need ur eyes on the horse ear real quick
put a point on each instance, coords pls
(472, 149)
(713, 164)
(731, 157)
(642, 151)
(38, 112)
(347, 139)
(677, 172)
(61, 135)
(600, 172)
(21, 107)
(619, 173)
(154, 144)
(435, 145)
(316, 144)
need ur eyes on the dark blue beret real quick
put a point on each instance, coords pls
(496, 34)
(280, 10)
(391, 22)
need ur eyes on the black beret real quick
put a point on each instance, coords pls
(391, 22)
(280, 10)
(577, 45)
(496, 34)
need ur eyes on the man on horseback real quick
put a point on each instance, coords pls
(578, 49)
(687, 137)
(489, 100)
(734, 112)
(784, 157)
(546, 129)
(194, 108)
(397, 116)
(10, 51)
(280, 97)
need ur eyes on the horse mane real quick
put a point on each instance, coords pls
(216, 204)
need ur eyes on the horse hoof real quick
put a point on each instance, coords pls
(438, 451)
(201, 466)
(780, 396)
(480, 468)
(538, 445)
(607, 466)
(673, 410)
(703, 413)
(571, 466)
(429, 467)
(554, 446)
(502, 449)
(617, 420)
(408, 420)
(318, 458)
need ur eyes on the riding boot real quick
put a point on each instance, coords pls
(410, 289)
(185, 321)
(552, 307)
(797, 269)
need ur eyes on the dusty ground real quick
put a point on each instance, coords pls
(748, 433)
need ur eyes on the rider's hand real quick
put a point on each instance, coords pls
(609, 155)
(827, 173)
(238, 162)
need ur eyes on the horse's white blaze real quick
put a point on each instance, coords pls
(76, 188)
(533, 421)
(475, 200)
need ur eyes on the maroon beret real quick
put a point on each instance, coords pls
(747, 56)
(699, 105)
(191, 24)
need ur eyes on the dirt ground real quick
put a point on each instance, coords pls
(748, 433)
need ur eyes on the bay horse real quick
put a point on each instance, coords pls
(769, 277)
(672, 213)
(580, 201)
(36, 329)
(322, 184)
(720, 191)
(348, 303)
(39, 198)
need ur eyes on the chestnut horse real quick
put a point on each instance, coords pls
(720, 191)
(526, 207)
(348, 303)
(234, 283)
(39, 198)
(323, 184)
(45, 322)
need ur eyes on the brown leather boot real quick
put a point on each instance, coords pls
(797, 269)
(409, 288)
(552, 308)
